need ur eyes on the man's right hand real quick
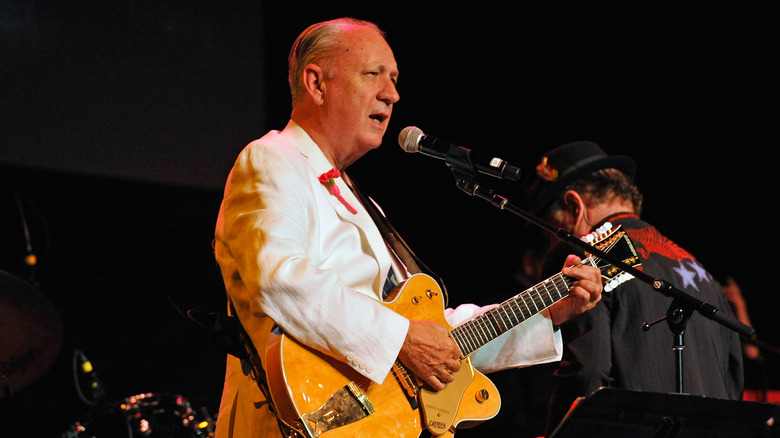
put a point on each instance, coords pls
(430, 353)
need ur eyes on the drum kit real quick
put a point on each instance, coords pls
(145, 415)
(31, 336)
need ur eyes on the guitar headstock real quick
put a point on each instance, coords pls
(616, 243)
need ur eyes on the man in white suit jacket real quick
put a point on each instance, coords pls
(307, 256)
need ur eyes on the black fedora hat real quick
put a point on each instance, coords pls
(563, 165)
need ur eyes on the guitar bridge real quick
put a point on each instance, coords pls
(406, 380)
(347, 405)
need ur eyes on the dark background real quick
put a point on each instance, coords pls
(119, 122)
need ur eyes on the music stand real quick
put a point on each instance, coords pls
(620, 413)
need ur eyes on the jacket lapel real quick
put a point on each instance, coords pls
(374, 244)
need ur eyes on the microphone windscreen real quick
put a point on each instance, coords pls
(409, 138)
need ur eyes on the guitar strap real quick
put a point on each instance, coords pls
(397, 244)
(258, 372)
(229, 335)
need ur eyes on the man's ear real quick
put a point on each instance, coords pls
(573, 202)
(314, 83)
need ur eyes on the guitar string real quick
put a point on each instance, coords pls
(485, 327)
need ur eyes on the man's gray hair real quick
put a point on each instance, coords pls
(313, 45)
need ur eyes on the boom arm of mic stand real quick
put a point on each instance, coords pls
(470, 186)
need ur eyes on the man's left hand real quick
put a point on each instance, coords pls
(584, 293)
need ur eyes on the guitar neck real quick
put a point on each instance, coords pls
(483, 328)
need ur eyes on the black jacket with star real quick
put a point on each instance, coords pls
(607, 346)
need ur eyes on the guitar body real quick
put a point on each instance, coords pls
(317, 395)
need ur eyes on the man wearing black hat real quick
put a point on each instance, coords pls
(579, 187)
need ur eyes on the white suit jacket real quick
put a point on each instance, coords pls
(291, 251)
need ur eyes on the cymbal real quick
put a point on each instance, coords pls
(30, 334)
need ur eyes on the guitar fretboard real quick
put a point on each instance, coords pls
(487, 326)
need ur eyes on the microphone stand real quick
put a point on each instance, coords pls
(676, 318)
(683, 305)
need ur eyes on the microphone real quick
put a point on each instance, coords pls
(412, 139)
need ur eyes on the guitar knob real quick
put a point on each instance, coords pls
(482, 395)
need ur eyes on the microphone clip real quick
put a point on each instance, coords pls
(458, 160)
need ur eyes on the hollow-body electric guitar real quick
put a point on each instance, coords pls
(315, 395)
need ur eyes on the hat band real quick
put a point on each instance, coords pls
(582, 163)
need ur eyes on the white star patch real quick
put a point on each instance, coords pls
(688, 275)
(701, 273)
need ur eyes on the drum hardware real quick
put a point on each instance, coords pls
(147, 415)
(31, 334)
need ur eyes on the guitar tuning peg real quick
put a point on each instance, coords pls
(603, 231)
(617, 281)
(599, 234)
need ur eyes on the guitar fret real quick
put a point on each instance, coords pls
(470, 344)
(472, 337)
(557, 290)
(562, 285)
(489, 328)
(463, 340)
(512, 306)
(457, 336)
(540, 297)
(480, 325)
(492, 324)
(530, 312)
(553, 290)
(483, 335)
(546, 290)
(537, 298)
(500, 320)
